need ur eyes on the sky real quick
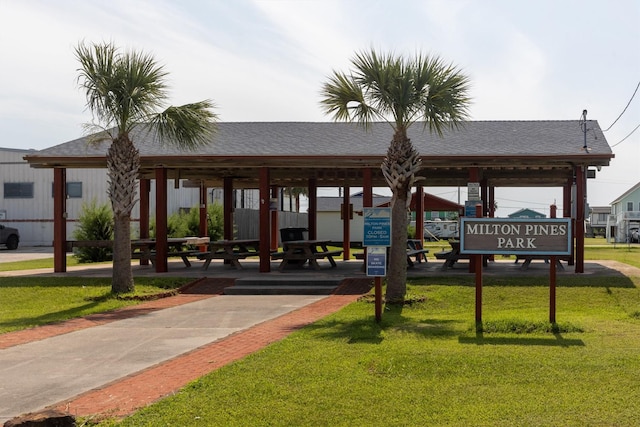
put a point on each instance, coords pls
(266, 60)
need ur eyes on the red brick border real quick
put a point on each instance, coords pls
(126, 395)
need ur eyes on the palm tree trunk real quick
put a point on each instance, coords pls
(123, 163)
(399, 169)
(122, 275)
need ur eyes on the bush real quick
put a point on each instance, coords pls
(187, 222)
(94, 223)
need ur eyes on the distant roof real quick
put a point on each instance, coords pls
(510, 153)
(626, 193)
(432, 203)
(526, 213)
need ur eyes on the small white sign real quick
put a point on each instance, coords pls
(473, 191)
(376, 261)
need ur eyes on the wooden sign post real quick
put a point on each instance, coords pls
(549, 237)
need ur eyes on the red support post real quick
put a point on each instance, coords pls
(145, 188)
(346, 224)
(478, 276)
(274, 218)
(313, 209)
(227, 207)
(265, 227)
(162, 248)
(59, 220)
(552, 278)
(580, 217)
(419, 235)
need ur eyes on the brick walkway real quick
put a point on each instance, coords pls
(133, 392)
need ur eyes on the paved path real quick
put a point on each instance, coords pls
(110, 366)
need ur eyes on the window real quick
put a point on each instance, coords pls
(602, 217)
(18, 190)
(74, 190)
(629, 206)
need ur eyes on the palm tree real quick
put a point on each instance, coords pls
(124, 92)
(296, 192)
(401, 92)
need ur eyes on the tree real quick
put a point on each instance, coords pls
(295, 193)
(400, 91)
(124, 91)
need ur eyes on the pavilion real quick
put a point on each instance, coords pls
(270, 155)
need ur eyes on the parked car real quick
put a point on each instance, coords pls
(9, 236)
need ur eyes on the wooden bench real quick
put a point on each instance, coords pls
(419, 255)
(313, 258)
(450, 258)
(233, 257)
(546, 258)
(151, 256)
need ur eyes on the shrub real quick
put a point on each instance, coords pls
(187, 222)
(94, 223)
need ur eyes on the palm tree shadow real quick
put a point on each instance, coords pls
(368, 331)
(557, 341)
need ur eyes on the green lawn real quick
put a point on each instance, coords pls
(426, 364)
(29, 301)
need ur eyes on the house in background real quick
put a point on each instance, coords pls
(329, 219)
(527, 213)
(598, 218)
(623, 225)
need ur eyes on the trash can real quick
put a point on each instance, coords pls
(292, 233)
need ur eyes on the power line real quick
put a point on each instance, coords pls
(625, 109)
(622, 140)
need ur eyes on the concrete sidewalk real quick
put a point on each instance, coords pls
(50, 371)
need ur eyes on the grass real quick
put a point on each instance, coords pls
(426, 364)
(35, 264)
(29, 302)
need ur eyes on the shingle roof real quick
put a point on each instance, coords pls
(473, 138)
(510, 153)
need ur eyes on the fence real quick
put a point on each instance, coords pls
(247, 222)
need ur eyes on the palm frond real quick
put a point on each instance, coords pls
(188, 126)
(343, 98)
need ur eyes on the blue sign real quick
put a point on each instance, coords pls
(376, 261)
(377, 227)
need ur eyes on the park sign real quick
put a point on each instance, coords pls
(501, 236)
(377, 227)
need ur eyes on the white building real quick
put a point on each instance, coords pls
(329, 220)
(624, 222)
(26, 197)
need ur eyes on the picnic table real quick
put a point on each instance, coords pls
(306, 250)
(451, 256)
(546, 258)
(145, 249)
(231, 251)
(414, 249)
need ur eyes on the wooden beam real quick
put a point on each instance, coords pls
(265, 233)
(162, 248)
(59, 220)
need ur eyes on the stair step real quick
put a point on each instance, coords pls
(280, 289)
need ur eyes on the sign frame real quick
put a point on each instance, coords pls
(563, 245)
(377, 227)
(376, 261)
